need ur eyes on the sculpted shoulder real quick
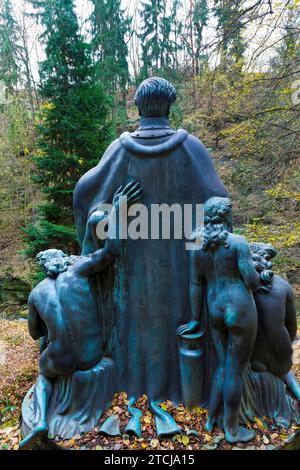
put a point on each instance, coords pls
(239, 241)
(43, 287)
(202, 163)
(283, 284)
(196, 146)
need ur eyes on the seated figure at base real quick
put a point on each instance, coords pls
(63, 311)
(225, 266)
(277, 320)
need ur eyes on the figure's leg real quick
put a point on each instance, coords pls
(43, 392)
(219, 335)
(293, 385)
(240, 345)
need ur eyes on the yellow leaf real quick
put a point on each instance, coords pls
(199, 411)
(147, 419)
(208, 438)
(143, 445)
(259, 423)
(185, 440)
(154, 443)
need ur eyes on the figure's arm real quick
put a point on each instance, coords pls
(246, 266)
(96, 262)
(291, 314)
(100, 259)
(195, 294)
(195, 286)
(98, 185)
(36, 325)
(90, 244)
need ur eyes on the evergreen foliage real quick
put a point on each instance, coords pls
(230, 25)
(9, 49)
(155, 37)
(73, 124)
(109, 29)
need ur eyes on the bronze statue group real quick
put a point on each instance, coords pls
(129, 291)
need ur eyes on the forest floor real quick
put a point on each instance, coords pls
(18, 371)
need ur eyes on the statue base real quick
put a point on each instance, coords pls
(189, 435)
(290, 443)
(77, 403)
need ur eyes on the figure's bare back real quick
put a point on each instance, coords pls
(70, 314)
(229, 300)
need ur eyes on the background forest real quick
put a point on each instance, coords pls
(68, 71)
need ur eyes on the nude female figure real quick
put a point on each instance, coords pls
(225, 266)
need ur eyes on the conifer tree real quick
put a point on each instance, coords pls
(154, 33)
(73, 130)
(176, 27)
(9, 68)
(200, 18)
(230, 26)
(109, 29)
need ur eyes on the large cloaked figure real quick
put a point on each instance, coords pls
(147, 293)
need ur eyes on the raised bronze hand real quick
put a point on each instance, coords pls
(129, 194)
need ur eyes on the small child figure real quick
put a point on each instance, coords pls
(277, 320)
(63, 310)
(225, 265)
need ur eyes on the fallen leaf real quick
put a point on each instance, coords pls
(177, 438)
(265, 440)
(208, 438)
(154, 443)
(259, 423)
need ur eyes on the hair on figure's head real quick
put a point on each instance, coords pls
(261, 254)
(216, 210)
(266, 250)
(215, 232)
(154, 97)
(54, 261)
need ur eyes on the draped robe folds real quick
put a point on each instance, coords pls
(148, 294)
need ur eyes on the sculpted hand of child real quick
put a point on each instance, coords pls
(98, 221)
(188, 328)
